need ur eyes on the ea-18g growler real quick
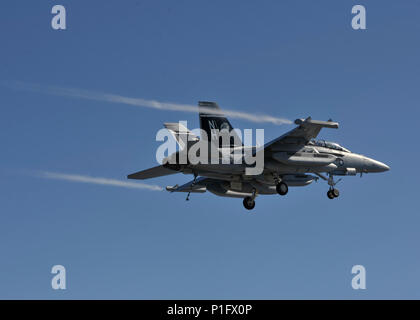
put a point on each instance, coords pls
(292, 160)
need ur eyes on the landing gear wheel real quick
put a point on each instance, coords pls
(282, 188)
(330, 194)
(249, 203)
(335, 193)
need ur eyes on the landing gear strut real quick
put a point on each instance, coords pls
(192, 185)
(249, 202)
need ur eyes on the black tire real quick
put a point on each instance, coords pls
(249, 203)
(330, 194)
(282, 188)
(335, 193)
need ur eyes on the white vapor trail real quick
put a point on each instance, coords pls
(100, 181)
(113, 98)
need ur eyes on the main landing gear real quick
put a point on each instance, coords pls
(281, 187)
(249, 202)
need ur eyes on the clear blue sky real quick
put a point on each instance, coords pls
(284, 58)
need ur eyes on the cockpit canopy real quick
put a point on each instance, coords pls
(327, 144)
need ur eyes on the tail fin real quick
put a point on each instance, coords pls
(213, 121)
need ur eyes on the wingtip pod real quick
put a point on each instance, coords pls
(172, 188)
(325, 124)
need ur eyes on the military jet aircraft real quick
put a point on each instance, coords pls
(294, 159)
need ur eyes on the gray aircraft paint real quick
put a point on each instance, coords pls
(294, 159)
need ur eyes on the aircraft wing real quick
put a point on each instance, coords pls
(306, 130)
(154, 172)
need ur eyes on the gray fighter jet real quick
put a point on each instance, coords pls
(292, 160)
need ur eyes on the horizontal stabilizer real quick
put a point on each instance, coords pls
(154, 172)
(181, 134)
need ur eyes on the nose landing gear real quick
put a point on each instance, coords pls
(332, 192)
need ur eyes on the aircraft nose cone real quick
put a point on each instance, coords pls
(383, 167)
(377, 166)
